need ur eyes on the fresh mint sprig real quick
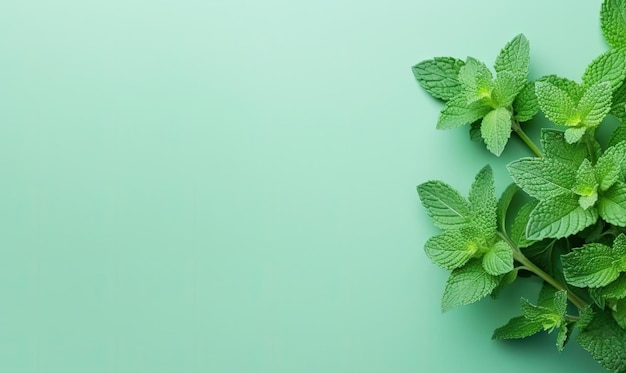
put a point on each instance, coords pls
(569, 227)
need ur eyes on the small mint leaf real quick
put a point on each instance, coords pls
(445, 206)
(450, 250)
(457, 112)
(498, 260)
(483, 203)
(496, 129)
(467, 285)
(574, 134)
(612, 205)
(439, 76)
(556, 103)
(594, 105)
(518, 327)
(525, 104)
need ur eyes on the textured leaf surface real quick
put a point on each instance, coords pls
(594, 105)
(613, 22)
(439, 76)
(605, 341)
(518, 228)
(618, 135)
(446, 207)
(496, 129)
(503, 204)
(542, 177)
(498, 260)
(476, 80)
(618, 108)
(612, 205)
(555, 147)
(559, 217)
(514, 57)
(483, 202)
(614, 290)
(450, 250)
(466, 285)
(593, 265)
(556, 103)
(506, 87)
(518, 327)
(608, 67)
(574, 134)
(457, 112)
(525, 104)
(609, 165)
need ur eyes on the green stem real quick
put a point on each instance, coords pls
(521, 258)
(520, 132)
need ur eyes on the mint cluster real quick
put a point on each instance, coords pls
(570, 229)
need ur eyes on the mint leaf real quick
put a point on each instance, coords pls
(608, 67)
(615, 290)
(439, 76)
(593, 265)
(619, 313)
(498, 260)
(445, 206)
(618, 108)
(574, 134)
(476, 81)
(555, 147)
(542, 177)
(586, 185)
(562, 337)
(503, 204)
(608, 168)
(496, 129)
(514, 57)
(457, 112)
(618, 135)
(518, 228)
(450, 250)
(558, 217)
(613, 23)
(556, 103)
(467, 285)
(573, 89)
(525, 104)
(518, 327)
(594, 105)
(506, 87)
(612, 205)
(483, 203)
(605, 341)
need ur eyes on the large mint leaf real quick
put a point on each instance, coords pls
(466, 285)
(439, 76)
(605, 341)
(613, 22)
(558, 217)
(612, 205)
(593, 265)
(446, 207)
(542, 178)
(514, 57)
(496, 129)
(608, 67)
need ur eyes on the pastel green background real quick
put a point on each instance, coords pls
(229, 186)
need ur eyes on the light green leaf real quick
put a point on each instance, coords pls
(476, 81)
(555, 147)
(457, 112)
(498, 260)
(562, 337)
(605, 341)
(613, 22)
(483, 203)
(445, 206)
(506, 87)
(618, 107)
(608, 67)
(518, 327)
(466, 285)
(593, 265)
(450, 250)
(594, 105)
(556, 104)
(609, 166)
(496, 129)
(514, 57)
(573, 89)
(439, 76)
(612, 205)
(503, 204)
(518, 228)
(525, 104)
(586, 182)
(558, 217)
(542, 177)
(574, 134)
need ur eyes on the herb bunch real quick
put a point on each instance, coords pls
(570, 231)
